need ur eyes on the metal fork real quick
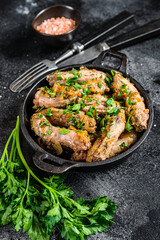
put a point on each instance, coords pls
(44, 67)
(34, 73)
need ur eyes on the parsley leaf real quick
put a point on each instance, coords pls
(110, 102)
(113, 72)
(59, 77)
(76, 107)
(100, 84)
(49, 132)
(128, 127)
(113, 111)
(38, 205)
(49, 113)
(129, 102)
(64, 131)
(44, 123)
(123, 144)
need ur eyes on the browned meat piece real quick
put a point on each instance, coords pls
(102, 146)
(79, 156)
(61, 95)
(101, 103)
(77, 141)
(85, 75)
(134, 102)
(60, 118)
(124, 142)
(57, 97)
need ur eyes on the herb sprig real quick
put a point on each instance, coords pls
(38, 209)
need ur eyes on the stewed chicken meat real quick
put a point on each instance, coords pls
(92, 114)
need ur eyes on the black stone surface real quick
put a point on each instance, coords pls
(134, 184)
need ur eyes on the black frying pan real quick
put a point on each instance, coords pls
(48, 162)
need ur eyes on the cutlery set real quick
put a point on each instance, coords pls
(85, 51)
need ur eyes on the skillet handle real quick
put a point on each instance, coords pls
(39, 158)
(122, 56)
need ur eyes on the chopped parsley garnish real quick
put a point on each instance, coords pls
(108, 135)
(96, 135)
(50, 91)
(92, 112)
(98, 101)
(64, 131)
(73, 121)
(41, 108)
(109, 81)
(70, 82)
(77, 86)
(42, 134)
(110, 102)
(59, 77)
(123, 144)
(58, 84)
(49, 132)
(113, 111)
(40, 115)
(76, 75)
(80, 125)
(102, 129)
(89, 99)
(52, 94)
(46, 88)
(113, 72)
(49, 113)
(128, 127)
(100, 84)
(83, 82)
(134, 103)
(44, 123)
(129, 102)
(79, 131)
(86, 91)
(57, 71)
(102, 123)
(125, 91)
(119, 94)
(76, 107)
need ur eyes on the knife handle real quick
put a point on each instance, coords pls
(121, 56)
(109, 27)
(145, 32)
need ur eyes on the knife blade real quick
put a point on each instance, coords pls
(139, 34)
(86, 55)
(109, 27)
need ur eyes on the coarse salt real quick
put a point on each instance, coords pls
(56, 26)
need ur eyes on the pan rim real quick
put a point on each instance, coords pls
(75, 164)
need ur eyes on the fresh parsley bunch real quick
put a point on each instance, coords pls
(38, 205)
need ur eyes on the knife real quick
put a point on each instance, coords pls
(106, 29)
(137, 35)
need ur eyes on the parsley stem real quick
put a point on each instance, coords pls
(12, 148)
(28, 180)
(5, 149)
(26, 165)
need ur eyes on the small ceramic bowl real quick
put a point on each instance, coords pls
(57, 11)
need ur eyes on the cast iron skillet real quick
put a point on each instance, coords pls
(48, 162)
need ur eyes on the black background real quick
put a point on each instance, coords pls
(134, 184)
